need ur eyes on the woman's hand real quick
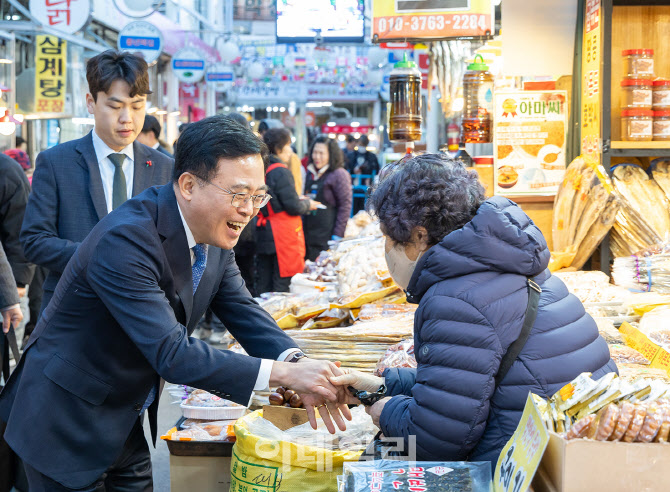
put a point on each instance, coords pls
(359, 380)
(314, 205)
(375, 411)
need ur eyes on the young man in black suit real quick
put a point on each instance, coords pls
(77, 183)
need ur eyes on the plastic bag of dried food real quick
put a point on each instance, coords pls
(608, 331)
(621, 354)
(398, 355)
(392, 475)
(656, 325)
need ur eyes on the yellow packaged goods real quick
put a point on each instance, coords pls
(573, 392)
(299, 459)
(353, 301)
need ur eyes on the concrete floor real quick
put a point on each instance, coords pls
(168, 414)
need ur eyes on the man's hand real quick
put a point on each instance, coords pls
(311, 380)
(375, 411)
(21, 291)
(11, 316)
(314, 205)
(359, 380)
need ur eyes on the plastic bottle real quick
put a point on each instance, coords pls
(405, 89)
(478, 108)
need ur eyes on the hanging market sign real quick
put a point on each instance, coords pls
(521, 456)
(347, 129)
(50, 74)
(529, 142)
(431, 19)
(68, 16)
(591, 56)
(188, 65)
(338, 92)
(141, 37)
(221, 77)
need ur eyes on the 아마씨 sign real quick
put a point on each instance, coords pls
(50, 74)
(68, 16)
(529, 142)
(521, 455)
(141, 37)
(431, 19)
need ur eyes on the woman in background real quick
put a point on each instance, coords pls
(330, 184)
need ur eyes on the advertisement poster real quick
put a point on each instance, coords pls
(590, 119)
(529, 142)
(431, 19)
(50, 74)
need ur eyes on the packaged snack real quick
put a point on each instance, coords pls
(652, 423)
(581, 428)
(664, 430)
(639, 413)
(573, 392)
(398, 355)
(607, 419)
(626, 413)
(621, 354)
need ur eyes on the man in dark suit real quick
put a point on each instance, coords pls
(78, 183)
(122, 313)
(150, 135)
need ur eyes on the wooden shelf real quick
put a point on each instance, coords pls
(531, 198)
(619, 144)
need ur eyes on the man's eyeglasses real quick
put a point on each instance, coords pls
(241, 199)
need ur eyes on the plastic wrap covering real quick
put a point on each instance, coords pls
(644, 219)
(648, 270)
(584, 211)
(398, 355)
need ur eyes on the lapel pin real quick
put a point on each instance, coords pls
(149, 164)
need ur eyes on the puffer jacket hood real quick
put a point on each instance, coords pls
(472, 294)
(499, 238)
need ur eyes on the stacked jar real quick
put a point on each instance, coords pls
(661, 105)
(637, 115)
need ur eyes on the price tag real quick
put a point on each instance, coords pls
(521, 456)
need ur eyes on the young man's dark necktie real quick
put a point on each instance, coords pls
(119, 188)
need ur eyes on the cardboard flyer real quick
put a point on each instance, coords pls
(529, 142)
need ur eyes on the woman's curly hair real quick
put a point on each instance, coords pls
(428, 190)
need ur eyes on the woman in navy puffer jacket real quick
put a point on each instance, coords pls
(465, 261)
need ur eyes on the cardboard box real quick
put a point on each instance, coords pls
(195, 473)
(589, 466)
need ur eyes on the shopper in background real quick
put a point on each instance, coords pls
(151, 134)
(329, 183)
(280, 241)
(365, 162)
(466, 261)
(78, 183)
(20, 153)
(349, 153)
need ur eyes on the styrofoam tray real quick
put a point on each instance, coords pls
(212, 413)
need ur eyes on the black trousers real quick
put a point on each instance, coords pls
(267, 275)
(131, 472)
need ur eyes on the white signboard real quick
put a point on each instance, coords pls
(221, 77)
(141, 37)
(68, 16)
(188, 65)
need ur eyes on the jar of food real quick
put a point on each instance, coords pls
(662, 125)
(636, 94)
(637, 125)
(661, 94)
(478, 102)
(405, 92)
(638, 64)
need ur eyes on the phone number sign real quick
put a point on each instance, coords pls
(431, 19)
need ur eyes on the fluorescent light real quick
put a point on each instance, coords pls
(372, 137)
(331, 135)
(227, 108)
(341, 138)
(354, 124)
(331, 123)
(326, 104)
(268, 109)
(161, 112)
(458, 104)
(357, 135)
(83, 121)
(275, 109)
(18, 117)
(314, 105)
(282, 109)
(31, 117)
(381, 128)
(174, 113)
(152, 110)
(6, 61)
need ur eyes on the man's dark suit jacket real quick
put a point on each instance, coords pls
(119, 319)
(68, 200)
(14, 192)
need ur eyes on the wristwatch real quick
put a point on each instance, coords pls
(296, 357)
(366, 398)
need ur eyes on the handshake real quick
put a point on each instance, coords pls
(323, 385)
